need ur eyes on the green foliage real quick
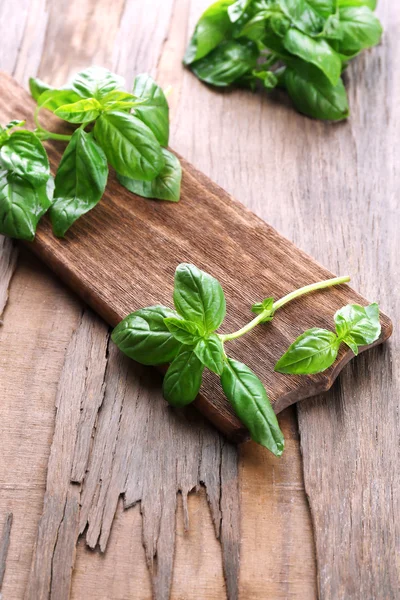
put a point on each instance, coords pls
(243, 41)
(127, 130)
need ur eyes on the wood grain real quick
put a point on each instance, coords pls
(139, 243)
(8, 261)
(4, 544)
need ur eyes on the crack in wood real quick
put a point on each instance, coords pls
(114, 436)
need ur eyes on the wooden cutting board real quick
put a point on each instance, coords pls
(123, 254)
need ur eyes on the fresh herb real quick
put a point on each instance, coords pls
(127, 131)
(302, 46)
(316, 350)
(187, 339)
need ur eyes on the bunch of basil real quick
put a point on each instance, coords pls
(131, 142)
(300, 45)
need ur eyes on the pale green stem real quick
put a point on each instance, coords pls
(279, 303)
(44, 134)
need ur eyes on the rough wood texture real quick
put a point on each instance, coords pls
(4, 544)
(139, 243)
(8, 261)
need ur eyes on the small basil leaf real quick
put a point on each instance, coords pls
(237, 9)
(313, 95)
(210, 351)
(314, 351)
(96, 82)
(130, 145)
(250, 402)
(155, 111)
(53, 99)
(117, 100)
(213, 27)
(359, 29)
(307, 16)
(37, 87)
(14, 123)
(166, 186)
(259, 307)
(82, 111)
(230, 61)
(351, 343)
(185, 332)
(332, 30)
(182, 381)
(255, 28)
(199, 297)
(80, 181)
(279, 24)
(21, 206)
(144, 336)
(268, 78)
(362, 324)
(24, 155)
(315, 51)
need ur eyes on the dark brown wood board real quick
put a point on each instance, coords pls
(123, 254)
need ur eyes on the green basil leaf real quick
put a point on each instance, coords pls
(213, 27)
(155, 111)
(96, 82)
(117, 100)
(199, 297)
(130, 146)
(210, 351)
(37, 87)
(309, 16)
(250, 402)
(315, 51)
(313, 95)
(21, 206)
(23, 154)
(259, 307)
(237, 9)
(279, 24)
(14, 123)
(166, 186)
(268, 78)
(332, 28)
(230, 61)
(255, 28)
(182, 381)
(369, 3)
(351, 343)
(82, 111)
(80, 181)
(144, 337)
(53, 99)
(360, 29)
(185, 332)
(314, 351)
(360, 323)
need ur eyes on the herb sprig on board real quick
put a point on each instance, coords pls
(187, 338)
(299, 45)
(129, 131)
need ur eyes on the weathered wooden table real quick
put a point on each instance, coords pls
(332, 189)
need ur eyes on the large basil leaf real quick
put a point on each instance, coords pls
(199, 297)
(53, 99)
(21, 206)
(213, 27)
(371, 4)
(130, 146)
(230, 61)
(24, 155)
(182, 381)
(210, 351)
(360, 323)
(185, 332)
(80, 181)
(309, 16)
(238, 9)
(37, 87)
(82, 111)
(144, 336)
(315, 51)
(155, 111)
(166, 186)
(250, 402)
(313, 95)
(96, 82)
(314, 351)
(359, 29)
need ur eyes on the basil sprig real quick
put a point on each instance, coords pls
(316, 350)
(127, 130)
(298, 45)
(187, 338)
